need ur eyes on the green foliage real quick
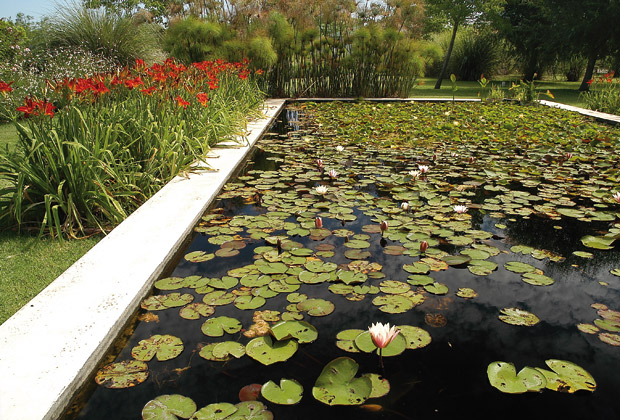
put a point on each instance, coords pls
(475, 53)
(13, 38)
(101, 33)
(261, 53)
(193, 40)
(100, 157)
(604, 95)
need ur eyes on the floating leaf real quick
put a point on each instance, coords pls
(124, 374)
(217, 411)
(251, 410)
(415, 337)
(380, 385)
(466, 293)
(265, 351)
(346, 340)
(199, 256)
(393, 304)
(515, 316)
(337, 384)
(537, 279)
(216, 327)
(316, 307)
(568, 377)
(249, 302)
(195, 310)
(503, 376)
(302, 331)
(228, 348)
(481, 267)
(218, 298)
(611, 339)
(597, 242)
(250, 392)
(288, 393)
(583, 254)
(165, 347)
(351, 277)
(169, 407)
(436, 288)
(519, 267)
(456, 260)
(161, 302)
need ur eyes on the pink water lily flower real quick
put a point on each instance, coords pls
(423, 169)
(423, 246)
(382, 335)
(319, 163)
(460, 209)
(616, 197)
(333, 174)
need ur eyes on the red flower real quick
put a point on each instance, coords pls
(202, 98)
(47, 108)
(181, 102)
(135, 82)
(213, 84)
(28, 108)
(148, 91)
(99, 88)
(140, 64)
(259, 71)
(5, 87)
(590, 82)
(243, 75)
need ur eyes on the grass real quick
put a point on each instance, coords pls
(29, 263)
(564, 92)
(8, 136)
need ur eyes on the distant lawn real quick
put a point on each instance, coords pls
(28, 264)
(564, 92)
(8, 136)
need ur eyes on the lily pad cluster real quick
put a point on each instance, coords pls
(174, 407)
(564, 376)
(607, 326)
(409, 337)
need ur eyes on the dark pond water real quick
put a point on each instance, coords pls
(447, 379)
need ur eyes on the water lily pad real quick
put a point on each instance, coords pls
(228, 348)
(316, 307)
(598, 242)
(320, 266)
(161, 302)
(171, 283)
(346, 340)
(357, 244)
(219, 411)
(273, 268)
(611, 339)
(466, 293)
(608, 324)
(515, 316)
(393, 304)
(584, 254)
(169, 407)
(250, 410)
(165, 347)
(196, 310)
(380, 385)
(394, 287)
(337, 384)
(226, 282)
(199, 256)
(289, 392)
(309, 277)
(216, 327)
(357, 254)
(481, 267)
(351, 277)
(503, 376)
(206, 352)
(265, 351)
(567, 377)
(519, 267)
(436, 288)
(218, 298)
(537, 279)
(456, 260)
(124, 374)
(302, 331)
(255, 280)
(249, 302)
(415, 337)
(417, 268)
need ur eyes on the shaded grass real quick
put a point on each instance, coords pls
(8, 136)
(29, 263)
(564, 92)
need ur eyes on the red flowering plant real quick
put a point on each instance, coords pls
(117, 137)
(604, 94)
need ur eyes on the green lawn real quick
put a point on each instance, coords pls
(564, 92)
(28, 264)
(8, 135)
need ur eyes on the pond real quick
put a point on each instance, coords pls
(290, 276)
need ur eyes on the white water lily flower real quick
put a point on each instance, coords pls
(460, 209)
(423, 169)
(321, 189)
(404, 206)
(414, 174)
(339, 148)
(382, 335)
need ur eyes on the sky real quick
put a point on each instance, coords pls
(35, 8)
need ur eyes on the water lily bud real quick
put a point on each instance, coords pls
(319, 163)
(423, 246)
(383, 226)
(471, 159)
(405, 206)
(318, 222)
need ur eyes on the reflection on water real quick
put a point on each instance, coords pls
(444, 380)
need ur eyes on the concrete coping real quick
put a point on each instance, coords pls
(50, 347)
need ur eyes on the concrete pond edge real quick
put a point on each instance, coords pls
(51, 346)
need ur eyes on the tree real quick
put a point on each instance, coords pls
(587, 27)
(156, 10)
(457, 13)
